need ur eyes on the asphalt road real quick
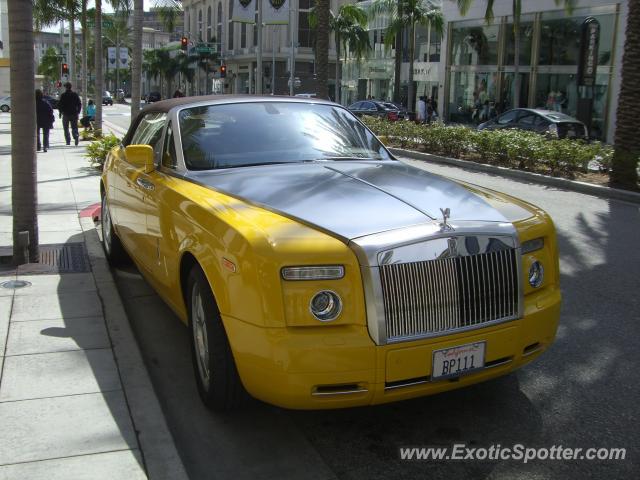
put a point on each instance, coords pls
(582, 393)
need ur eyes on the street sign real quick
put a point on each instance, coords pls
(105, 23)
(206, 48)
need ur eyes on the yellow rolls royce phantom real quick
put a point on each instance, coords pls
(314, 269)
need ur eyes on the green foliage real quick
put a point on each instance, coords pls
(97, 151)
(509, 148)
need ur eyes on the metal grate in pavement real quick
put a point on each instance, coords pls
(65, 258)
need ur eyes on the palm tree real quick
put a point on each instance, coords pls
(168, 12)
(99, 85)
(51, 12)
(83, 24)
(322, 47)
(406, 14)
(136, 58)
(24, 195)
(627, 141)
(349, 30)
(50, 65)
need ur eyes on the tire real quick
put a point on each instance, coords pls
(217, 378)
(113, 249)
(5, 108)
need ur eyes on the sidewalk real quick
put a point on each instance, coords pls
(75, 398)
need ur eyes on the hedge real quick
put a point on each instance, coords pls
(97, 151)
(509, 148)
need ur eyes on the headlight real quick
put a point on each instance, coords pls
(536, 274)
(532, 245)
(325, 305)
(320, 272)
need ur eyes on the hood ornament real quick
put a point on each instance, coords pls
(446, 214)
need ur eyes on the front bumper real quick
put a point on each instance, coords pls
(336, 367)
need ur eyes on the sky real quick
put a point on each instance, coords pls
(107, 9)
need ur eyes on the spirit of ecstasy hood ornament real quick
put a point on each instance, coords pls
(446, 214)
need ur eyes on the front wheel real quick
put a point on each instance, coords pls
(111, 244)
(4, 108)
(217, 378)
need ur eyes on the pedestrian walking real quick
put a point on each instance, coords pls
(44, 120)
(70, 107)
(430, 111)
(422, 110)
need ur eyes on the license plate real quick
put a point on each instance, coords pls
(456, 361)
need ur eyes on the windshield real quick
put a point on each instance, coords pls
(246, 134)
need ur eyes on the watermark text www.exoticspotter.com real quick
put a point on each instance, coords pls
(517, 452)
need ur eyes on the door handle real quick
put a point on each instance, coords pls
(146, 184)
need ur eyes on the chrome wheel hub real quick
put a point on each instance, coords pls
(200, 338)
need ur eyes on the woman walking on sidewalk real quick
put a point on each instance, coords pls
(44, 120)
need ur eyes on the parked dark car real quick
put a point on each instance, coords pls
(153, 97)
(537, 120)
(375, 108)
(107, 100)
(51, 101)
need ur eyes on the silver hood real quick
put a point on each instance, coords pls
(351, 199)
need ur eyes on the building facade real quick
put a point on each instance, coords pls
(210, 20)
(373, 75)
(478, 76)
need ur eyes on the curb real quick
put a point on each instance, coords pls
(563, 183)
(115, 128)
(161, 458)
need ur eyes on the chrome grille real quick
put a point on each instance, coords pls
(438, 296)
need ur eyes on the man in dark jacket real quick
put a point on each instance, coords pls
(45, 119)
(70, 107)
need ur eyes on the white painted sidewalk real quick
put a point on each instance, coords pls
(75, 399)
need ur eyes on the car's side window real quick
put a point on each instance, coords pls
(169, 157)
(527, 118)
(507, 117)
(149, 132)
(356, 106)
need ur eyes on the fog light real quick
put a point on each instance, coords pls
(536, 274)
(325, 305)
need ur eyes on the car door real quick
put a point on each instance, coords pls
(527, 120)
(162, 252)
(132, 188)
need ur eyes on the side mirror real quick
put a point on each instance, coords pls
(141, 156)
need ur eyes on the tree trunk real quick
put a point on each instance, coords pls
(516, 56)
(337, 92)
(84, 53)
(627, 140)
(99, 85)
(136, 61)
(398, 60)
(412, 47)
(24, 193)
(72, 50)
(322, 48)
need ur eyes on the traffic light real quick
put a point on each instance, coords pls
(65, 69)
(184, 43)
(223, 71)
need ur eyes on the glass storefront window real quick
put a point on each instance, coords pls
(474, 45)
(508, 92)
(472, 97)
(526, 41)
(560, 38)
